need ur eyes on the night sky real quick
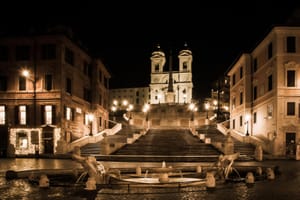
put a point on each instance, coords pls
(124, 33)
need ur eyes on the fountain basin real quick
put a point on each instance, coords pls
(156, 180)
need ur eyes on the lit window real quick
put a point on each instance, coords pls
(68, 113)
(2, 114)
(22, 110)
(86, 119)
(270, 111)
(22, 140)
(48, 111)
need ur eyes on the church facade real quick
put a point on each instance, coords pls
(168, 85)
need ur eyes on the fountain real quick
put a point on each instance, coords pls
(95, 170)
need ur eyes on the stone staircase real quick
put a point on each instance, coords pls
(245, 149)
(169, 145)
(168, 142)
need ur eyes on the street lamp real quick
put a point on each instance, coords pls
(91, 118)
(27, 75)
(192, 108)
(146, 108)
(206, 108)
(247, 118)
(129, 109)
(114, 109)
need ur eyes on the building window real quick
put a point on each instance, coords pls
(233, 124)
(22, 52)
(68, 113)
(48, 114)
(233, 103)
(270, 111)
(241, 98)
(270, 50)
(69, 85)
(22, 83)
(100, 99)
(87, 94)
(48, 51)
(2, 115)
(69, 56)
(291, 81)
(22, 115)
(100, 121)
(241, 72)
(254, 117)
(184, 66)
(100, 76)
(233, 79)
(241, 121)
(255, 65)
(48, 82)
(3, 53)
(156, 67)
(86, 119)
(291, 44)
(3, 83)
(290, 108)
(270, 83)
(254, 92)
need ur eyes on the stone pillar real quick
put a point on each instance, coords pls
(258, 153)
(138, 171)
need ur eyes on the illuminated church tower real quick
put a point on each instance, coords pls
(180, 90)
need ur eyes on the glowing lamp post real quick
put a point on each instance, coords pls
(114, 109)
(146, 109)
(129, 109)
(25, 73)
(91, 118)
(192, 109)
(247, 118)
(206, 106)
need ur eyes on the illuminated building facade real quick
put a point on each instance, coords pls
(51, 107)
(182, 86)
(136, 96)
(265, 92)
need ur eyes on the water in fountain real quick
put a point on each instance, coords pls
(146, 174)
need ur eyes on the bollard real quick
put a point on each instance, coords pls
(270, 174)
(249, 178)
(199, 169)
(138, 171)
(210, 180)
(258, 153)
(44, 181)
(258, 171)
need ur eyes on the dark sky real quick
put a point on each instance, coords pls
(124, 33)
